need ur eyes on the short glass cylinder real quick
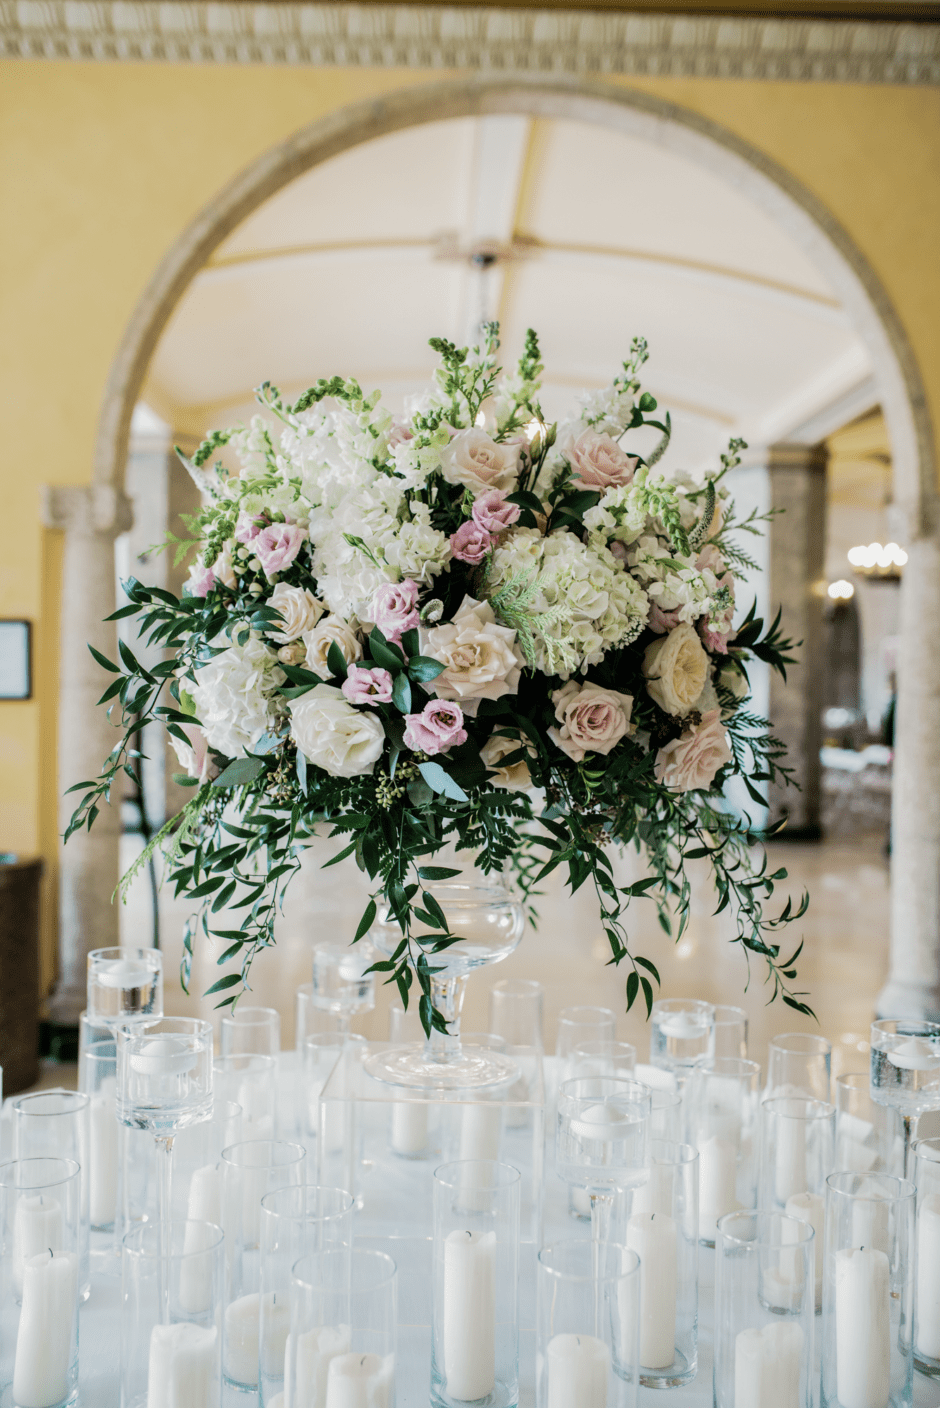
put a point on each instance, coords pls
(124, 985)
(39, 1282)
(170, 1316)
(602, 1133)
(730, 1032)
(723, 1111)
(925, 1175)
(587, 1326)
(765, 1307)
(663, 1230)
(54, 1124)
(600, 1058)
(475, 1335)
(164, 1074)
(250, 1081)
(250, 1031)
(341, 984)
(344, 1330)
(517, 1011)
(868, 1292)
(799, 1063)
(682, 1033)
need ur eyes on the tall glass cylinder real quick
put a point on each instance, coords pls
(475, 1337)
(170, 1316)
(722, 1118)
(765, 1306)
(98, 1080)
(925, 1174)
(587, 1326)
(344, 1331)
(516, 1012)
(54, 1124)
(682, 1033)
(40, 1226)
(249, 1079)
(799, 1063)
(869, 1136)
(868, 1293)
(663, 1230)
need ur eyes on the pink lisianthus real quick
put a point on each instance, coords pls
(276, 546)
(662, 621)
(470, 543)
(395, 608)
(692, 761)
(201, 580)
(367, 686)
(248, 527)
(493, 513)
(438, 727)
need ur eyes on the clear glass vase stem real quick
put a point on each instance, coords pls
(447, 995)
(601, 1208)
(165, 1177)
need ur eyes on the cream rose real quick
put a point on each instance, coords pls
(299, 609)
(331, 734)
(516, 777)
(481, 659)
(593, 720)
(676, 670)
(474, 459)
(331, 630)
(597, 462)
(691, 761)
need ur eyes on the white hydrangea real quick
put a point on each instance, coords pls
(235, 696)
(672, 581)
(416, 549)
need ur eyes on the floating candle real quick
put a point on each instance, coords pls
(162, 1056)
(916, 1054)
(123, 973)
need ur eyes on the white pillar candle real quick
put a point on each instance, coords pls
(254, 1096)
(718, 1168)
(656, 1194)
(809, 1207)
(863, 1328)
(316, 1349)
(359, 1381)
(577, 1368)
(276, 1328)
(196, 1268)
(870, 1223)
(37, 1227)
(409, 1126)
(854, 1127)
(479, 1131)
(102, 1159)
(470, 1314)
(748, 1369)
(46, 1333)
(790, 1158)
(653, 1237)
(853, 1156)
(927, 1299)
(767, 1367)
(183, 1368)
(204, 1203)
(240, 1347)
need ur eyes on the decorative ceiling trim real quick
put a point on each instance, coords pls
(534, 41)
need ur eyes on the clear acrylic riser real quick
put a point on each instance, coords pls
(383, 1142)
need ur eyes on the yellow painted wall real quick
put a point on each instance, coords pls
(102, 166)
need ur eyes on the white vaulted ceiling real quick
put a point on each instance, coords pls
(352, 268)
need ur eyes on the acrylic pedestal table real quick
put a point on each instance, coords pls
(396, 1217)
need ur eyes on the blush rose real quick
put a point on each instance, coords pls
(691, 762)
(592, 719)
(395, 608)
(597, 462)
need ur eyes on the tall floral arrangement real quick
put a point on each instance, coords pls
(466, 624)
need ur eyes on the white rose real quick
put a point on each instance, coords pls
(344, 741)
(331, 630)
(481, 659)
(299, 609)
(234, 695)
(474, 459)
(676, 670)
(516, 777)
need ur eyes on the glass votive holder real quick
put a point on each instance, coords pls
(666, 1114)
(124, 985)
(868, 1292)
(88, 1033)
(682, 1032)
(869, 1137)
(170, 1315)
(587, 1325)
(164, 1074)
(327, 1122)
(295, 1222)
(797, 1149)
(600, 1058)
(663, 1230)
(765, 1310)
(54, 1124)
(517, 1011)
(475, 1335)
(577, 1024)
(197, 1154)
(722, 1114)
(249, 1080)
(252, 1031)
(250, 1171)
(799, 1063)
(344, 1329)
(341, 984)
(40, 1219)
(925, 1174)
(730, 1032)
(97, 1077)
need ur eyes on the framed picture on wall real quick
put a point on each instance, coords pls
(16, 674)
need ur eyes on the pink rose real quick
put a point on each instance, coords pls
(470, 543)
(276, 547)
(691, 761)
(365, 686)
(593, 720)
(395, 608)
(662, 621)
(597, 462)
(248, 527)
(195, 758)
(475, 460)
(201, 580)
(492, 512)
(438, 727)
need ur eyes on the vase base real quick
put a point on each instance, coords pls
(474, 1068)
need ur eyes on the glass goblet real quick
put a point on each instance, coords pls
(905, 1070)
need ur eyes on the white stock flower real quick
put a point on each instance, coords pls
(676, 670)
(234, 696)
(299, 609)
(332, 630)
(335, 736)
(481, 658)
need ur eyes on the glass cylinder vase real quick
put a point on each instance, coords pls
(723, 1110)
(587, 1326)
(54, 1124)
(925, 1174)
(344, 1331)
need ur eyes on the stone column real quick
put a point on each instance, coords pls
(91, 518)
(913, 987)
(797, 475)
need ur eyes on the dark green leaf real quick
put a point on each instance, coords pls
(401, 693)
(104, 662)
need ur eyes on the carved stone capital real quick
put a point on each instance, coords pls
(87, 508)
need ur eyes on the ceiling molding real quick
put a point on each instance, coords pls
(541, 41)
